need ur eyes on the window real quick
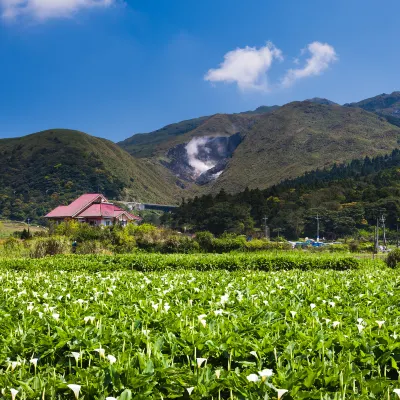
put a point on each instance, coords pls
(108, 223)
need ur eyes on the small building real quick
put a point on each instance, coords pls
(94, 209)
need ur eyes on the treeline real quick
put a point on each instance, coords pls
(347, 198)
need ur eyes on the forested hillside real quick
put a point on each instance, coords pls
(347, 197)
(41, 171)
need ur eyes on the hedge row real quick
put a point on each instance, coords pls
(200, 262)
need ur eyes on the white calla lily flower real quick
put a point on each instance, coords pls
(252, 378)
(281, 392)
(200, 361)
(380, 323)
(14, 393)
(111, 358)
(76, 389)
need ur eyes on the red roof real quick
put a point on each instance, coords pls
(84, 207)
(76, 206)
(60, 211)
(101, 210)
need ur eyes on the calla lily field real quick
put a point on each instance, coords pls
(77, 333)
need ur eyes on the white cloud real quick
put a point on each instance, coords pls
(45, 9)
(247, 67)
(322, 56)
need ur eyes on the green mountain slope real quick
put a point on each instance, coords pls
(144, 145)
(42, 170)
(276, 143)
(387, 105)
(348, 198)
(302, 136)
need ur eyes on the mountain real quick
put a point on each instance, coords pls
(320, 100)
(386, 105)
(149, 144)
(236, 151)
(45, 169)
(262, 110)
(347, 197)
(253, 149)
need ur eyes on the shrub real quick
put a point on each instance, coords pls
(205, 240)
(12, 245)
(49, 246)
(89, 247)
(393, 258)
(180, 244)
(341, 248)
(261, 244)
(228, 243)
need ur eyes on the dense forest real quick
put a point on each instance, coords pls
(348, 198)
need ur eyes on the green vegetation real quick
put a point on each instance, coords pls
(118, 240)
(280, 143)
(300, 137)
(41, 171)
(201, 262)
(9, 228)
(143, 144)
(347, 197)
(386, 105)
(93, 327)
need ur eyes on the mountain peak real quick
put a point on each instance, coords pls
(385, 105)
(321, 100)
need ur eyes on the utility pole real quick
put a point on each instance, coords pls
(28, 220)
(376, 239)
(383, 219)
(317, 218)
(266, 229)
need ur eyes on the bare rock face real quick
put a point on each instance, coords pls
(202, 159)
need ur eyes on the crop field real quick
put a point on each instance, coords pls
(187, 334)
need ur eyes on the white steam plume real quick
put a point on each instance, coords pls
(192, 149)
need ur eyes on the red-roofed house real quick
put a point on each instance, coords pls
(93, 209)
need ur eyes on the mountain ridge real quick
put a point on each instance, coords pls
(255, 149)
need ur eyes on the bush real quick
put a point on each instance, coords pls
(12, 245)
(205, 240)
(180, 244)
(49, 246)
(261, 244)
(228, 243)
(393, 258)
(341, 248)
(90, 247)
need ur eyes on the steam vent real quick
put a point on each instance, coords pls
(203, 159)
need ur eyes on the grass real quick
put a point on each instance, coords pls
(7, 228)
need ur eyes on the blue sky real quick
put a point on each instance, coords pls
(113, 68)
